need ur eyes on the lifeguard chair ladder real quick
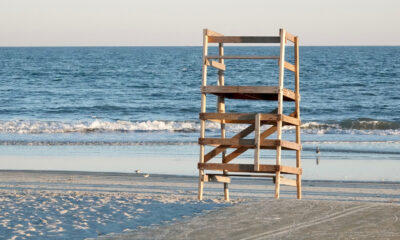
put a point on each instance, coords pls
(255, 120)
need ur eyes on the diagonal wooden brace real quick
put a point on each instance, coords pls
(241, 150)
(222, 148)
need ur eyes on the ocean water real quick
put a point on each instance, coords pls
(124, 100)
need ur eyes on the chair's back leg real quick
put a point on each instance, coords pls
(203, 109)
(280, 108)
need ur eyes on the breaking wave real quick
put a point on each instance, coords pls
(353, 126)
(37, 127)
(357, 126)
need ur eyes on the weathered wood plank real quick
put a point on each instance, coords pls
(222, 148)
(243, 39)
(288, 93)
(243, 57)
(235, 154)
(237, 167)
(246, 175)
(270, 117)
(290, 37)
(214, 153)
(228, 117)
(229, 142)
(287, 181)
(266, 118)
(297, 111)
(240, 89)
(282, 33)
(216, 65)
(268, 132)
(290, 170)
(287, 145)
(250, 143)
(241, 150)
(257, 141)
(291, 120)
(264, 168)
(203, 109)
(243, 92)
(216, 178)
(213, 33)
(290, 66)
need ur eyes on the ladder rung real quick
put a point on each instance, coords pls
(217, 65)
(266, 118)
(290, 37)
(290, 66)
(242, 57)
(249, 143)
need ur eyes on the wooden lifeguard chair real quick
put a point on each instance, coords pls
(239, 143)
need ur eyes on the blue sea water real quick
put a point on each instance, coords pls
(135, 96)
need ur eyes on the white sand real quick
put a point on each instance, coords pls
(45, 205)
(78, 205)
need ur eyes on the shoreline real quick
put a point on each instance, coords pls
(182, 161)
(117, 173)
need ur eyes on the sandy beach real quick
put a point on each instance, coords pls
(284, 219)
(79, 205)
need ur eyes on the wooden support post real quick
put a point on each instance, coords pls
(297, 109)
(203, 109)
(280, 108)
(257, 141)
(221, 109)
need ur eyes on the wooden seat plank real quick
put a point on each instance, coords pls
(263, 168)
(244, 39)
(249, 92)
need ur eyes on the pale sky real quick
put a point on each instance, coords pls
(180, 22)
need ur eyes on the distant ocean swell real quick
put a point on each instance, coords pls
(350, 126)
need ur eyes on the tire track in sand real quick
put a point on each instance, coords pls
(294, 227)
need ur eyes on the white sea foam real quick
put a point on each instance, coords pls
(96, 125)
(356, 127)
(35, 127)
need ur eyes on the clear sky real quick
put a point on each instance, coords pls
(180, 22)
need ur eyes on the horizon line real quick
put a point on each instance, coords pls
(72, 46)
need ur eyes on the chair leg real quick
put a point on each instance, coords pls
(201, 183)
(277, 184)
(298, 179)
(226, 191)
(257, 126)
